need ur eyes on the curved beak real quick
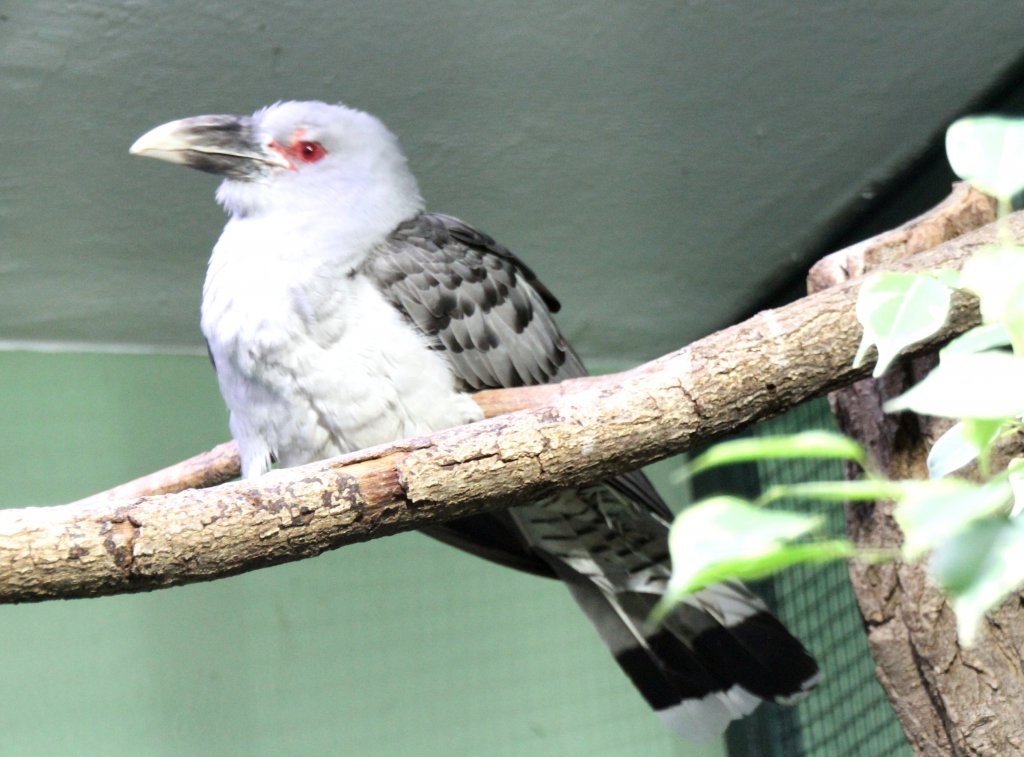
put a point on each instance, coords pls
(226, 145)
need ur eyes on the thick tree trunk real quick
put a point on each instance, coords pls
(950, 700)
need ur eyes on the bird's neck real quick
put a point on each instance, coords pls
(296, 242)
(291, 245)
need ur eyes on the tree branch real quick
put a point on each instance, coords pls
(221, 464)
(582, 430)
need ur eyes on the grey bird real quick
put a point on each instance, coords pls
(339, 314)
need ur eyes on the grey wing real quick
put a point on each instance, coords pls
(493, 319)
(477, 301)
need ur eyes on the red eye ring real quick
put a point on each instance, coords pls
(306, 151)
(299, 151)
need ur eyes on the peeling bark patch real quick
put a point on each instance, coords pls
(345, 498)
(310, 501)
(303, 518)
(120, 533)
(209, 518)
(472, 457)
(272, 506)
(549, 415)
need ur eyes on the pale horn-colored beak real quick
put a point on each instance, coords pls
(224, 145)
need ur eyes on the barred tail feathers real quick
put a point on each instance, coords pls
(713, 659)
(699, 672)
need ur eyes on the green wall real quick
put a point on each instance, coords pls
(397, 647)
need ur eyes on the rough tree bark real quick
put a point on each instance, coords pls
(950, 700)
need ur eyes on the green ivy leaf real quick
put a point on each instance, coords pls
(934, 511)
(996, 275)
(982, 433)
(988, 152)
(951, 452)
(1015, 475)
(948, 276)
(963, 443)
(816, 444)
(979, 568)
(985, 337)
(982, 385)
(897, 310)
(727, 537)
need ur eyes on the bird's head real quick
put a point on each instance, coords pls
(291, 154)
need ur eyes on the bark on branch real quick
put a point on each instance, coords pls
(579, 431)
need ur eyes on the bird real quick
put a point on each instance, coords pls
(340, 314)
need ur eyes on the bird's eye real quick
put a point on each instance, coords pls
(309, 152)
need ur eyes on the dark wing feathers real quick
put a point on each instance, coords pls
(470, 237)
(480, 304)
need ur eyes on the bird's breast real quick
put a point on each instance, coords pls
(312, 362)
